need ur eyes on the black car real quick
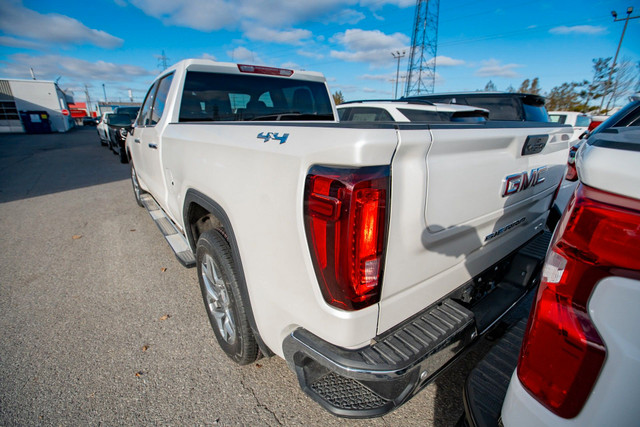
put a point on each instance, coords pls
(501, 105)
(118, 126)
(132, 111)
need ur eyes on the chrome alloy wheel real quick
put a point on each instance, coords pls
(218, 300)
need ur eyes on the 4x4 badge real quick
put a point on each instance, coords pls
(273, 135)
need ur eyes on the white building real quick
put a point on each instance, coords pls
(18, 96)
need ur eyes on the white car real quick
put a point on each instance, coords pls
(579, 121)
(579, 364)
(102, 128)
(409, 111)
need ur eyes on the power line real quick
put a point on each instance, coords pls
(421, 72)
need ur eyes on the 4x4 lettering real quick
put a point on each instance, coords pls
(273, 135)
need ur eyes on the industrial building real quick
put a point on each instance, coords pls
(28, 105)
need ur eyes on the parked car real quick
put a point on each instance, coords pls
(627, 116)
(596, 120)
(409, 111)
(501, 105)
(118, 126)
(131, 111)
(89, 121)
(579, 121)
(102, 129)
(578, 364)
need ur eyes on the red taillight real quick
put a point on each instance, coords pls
(259, 69)
(562, 353)
(345, 220)
(572, 172)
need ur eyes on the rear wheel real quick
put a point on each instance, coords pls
(123, 155)
(222, 298)
(137, 191)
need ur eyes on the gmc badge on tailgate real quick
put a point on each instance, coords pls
(521, 181)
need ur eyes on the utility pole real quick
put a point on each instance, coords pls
(105, 93)
(397, 55)
(615, 58)
(86, 92)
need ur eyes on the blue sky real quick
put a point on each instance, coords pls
(118, 42)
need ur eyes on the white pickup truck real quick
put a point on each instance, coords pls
(368, 255)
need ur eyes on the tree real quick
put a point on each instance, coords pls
(563, 98)
(532, 87)
(338, 98)
(626, 75)
(511, 89)
(524, 87)
(490, 87)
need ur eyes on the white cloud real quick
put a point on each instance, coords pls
(208, 56)
(310, 54)
(20, 43)
(578, 29)
(17, 20)
(493, 68)
(377, 4)
(48, 67)
(347, 16)
(373, 47)
(243, 55)
(294, 37)
(445, 61)
(379, 77)
(278, 15)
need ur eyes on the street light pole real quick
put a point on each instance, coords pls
(615, 58)
(397, 55)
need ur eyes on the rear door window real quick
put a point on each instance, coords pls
(365, 114)
(582, 121)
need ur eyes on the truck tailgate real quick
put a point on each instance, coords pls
(464, 197)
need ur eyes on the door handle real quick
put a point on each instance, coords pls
(136, 140)
(154, 146)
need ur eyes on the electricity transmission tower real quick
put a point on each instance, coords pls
(421, 73)
(163, 61)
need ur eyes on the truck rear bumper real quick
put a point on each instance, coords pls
(374, 380)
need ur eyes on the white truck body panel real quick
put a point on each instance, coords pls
(613, 307)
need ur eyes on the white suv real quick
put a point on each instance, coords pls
(409, 111)
(579, 121)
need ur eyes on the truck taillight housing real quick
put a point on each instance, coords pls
(345, 213)
(562, 353)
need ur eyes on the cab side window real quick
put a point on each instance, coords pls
(145, 113)
(160, 99)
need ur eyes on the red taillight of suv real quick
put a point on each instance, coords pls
(346, 223)
(562, 353)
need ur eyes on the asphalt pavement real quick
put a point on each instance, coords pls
(100, 324)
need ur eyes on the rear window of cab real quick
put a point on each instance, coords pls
(227, 97)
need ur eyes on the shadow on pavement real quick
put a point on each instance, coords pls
(35, 165)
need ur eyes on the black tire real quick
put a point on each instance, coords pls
(103, 142)
(123, 155)
(137, 191)
(222, 298)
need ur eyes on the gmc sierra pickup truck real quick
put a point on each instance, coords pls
(367, 255)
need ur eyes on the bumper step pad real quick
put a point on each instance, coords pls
(380, 377)
(176, 240)
(486, 385)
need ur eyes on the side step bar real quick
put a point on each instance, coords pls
(176, 240)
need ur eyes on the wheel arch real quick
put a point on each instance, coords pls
(198, 205)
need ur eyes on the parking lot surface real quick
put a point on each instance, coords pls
(101, 324)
